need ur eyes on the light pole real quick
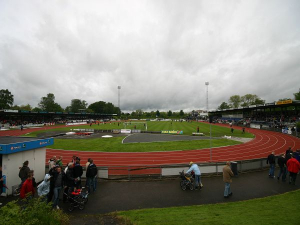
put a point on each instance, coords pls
(210, 150)
(119, 94)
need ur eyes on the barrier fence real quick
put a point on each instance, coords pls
(168, 171)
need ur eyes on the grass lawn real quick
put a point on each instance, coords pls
(187, 128)
(115, 145)
(280, 209)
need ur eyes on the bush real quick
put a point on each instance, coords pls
(35, 212)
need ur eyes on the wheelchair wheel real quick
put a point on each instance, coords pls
(182, 185)
(81, 205)
(71, 207)
(191, 186)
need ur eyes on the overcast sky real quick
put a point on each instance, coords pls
(160, 52)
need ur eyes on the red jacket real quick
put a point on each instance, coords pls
(27, 189)
(293, 165)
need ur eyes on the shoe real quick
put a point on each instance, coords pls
(0, 203)
(230, 194)
(226, 196)
(57, 207)
(277, 178)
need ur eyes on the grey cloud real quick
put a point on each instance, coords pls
(160, 52)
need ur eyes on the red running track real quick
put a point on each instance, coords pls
(261, 146)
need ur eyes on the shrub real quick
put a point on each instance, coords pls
(34, 212)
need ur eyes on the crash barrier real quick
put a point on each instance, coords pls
(172, 170)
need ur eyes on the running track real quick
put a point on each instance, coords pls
(260, 147)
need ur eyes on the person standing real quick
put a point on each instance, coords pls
(227, 178)
(282, 166)
(293, 167)
(59, 161)
(58, 178)
(70, 180)
(271, 161)
(24, 171)
(27, 189)
(78, 171)
(91, 174)
(195, 168)
(44, 188)
(198, 129)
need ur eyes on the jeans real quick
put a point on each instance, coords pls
(91, 184)
(283, 173)
(197, 181)
(271, 171)
(56, 196)
(293, 177)
(227, 190)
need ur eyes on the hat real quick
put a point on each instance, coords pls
(191, 163)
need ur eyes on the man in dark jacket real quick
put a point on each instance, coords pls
(271, 161)
(282, 166)
(69, 181)
(91, 176)
(24, 171)
(58, 184)
(78, 171)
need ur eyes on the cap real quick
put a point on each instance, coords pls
(191, 163)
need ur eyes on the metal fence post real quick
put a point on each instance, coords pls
(241, 168)
(129, 172)
(217, 168)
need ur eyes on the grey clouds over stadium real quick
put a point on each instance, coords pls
(160, 52)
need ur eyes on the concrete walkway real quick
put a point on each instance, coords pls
(116, 196)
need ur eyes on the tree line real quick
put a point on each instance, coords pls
(48, 104)
(236, 101)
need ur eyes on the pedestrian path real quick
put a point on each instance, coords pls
(114, 196)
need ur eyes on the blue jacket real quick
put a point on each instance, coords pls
(194, 168)
(44, 187)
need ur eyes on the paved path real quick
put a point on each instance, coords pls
(116, 196)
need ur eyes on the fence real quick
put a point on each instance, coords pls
(167, 171)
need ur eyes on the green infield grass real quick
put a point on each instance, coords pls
(187, 127)
(279, 209)
(115, 145)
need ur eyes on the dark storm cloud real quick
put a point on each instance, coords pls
(160, 52)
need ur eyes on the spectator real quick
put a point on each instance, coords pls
(87, 163)
(59, 161)
(52, 162)
(51, 192)
(282, 166)
(78, 171)
(1, 181)
(58, 177)
(27, 189)
(271, 161)
(195, 168)
(44, 188)
(69, 180)
(293, 167)
(288, 151)
(24, 171)
(91, 174)
(227, 175)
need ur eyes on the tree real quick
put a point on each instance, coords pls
(139, 112)
(77, 104)
(250, 99)
(224, 105)
(104, 108)
(26, 107)
(297, 95)
(36, 109)
(157, 113)
(170, 113)
(235, 101)
(181, 113)
(6, 99)
(48, 104)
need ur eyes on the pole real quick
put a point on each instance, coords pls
(119, 95)
(210, 149)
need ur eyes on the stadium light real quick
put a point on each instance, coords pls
(210, 149)
(119, 93)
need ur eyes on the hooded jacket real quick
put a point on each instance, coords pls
(44, 188)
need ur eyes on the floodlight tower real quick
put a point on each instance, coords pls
(119, 95)
(210, 151)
